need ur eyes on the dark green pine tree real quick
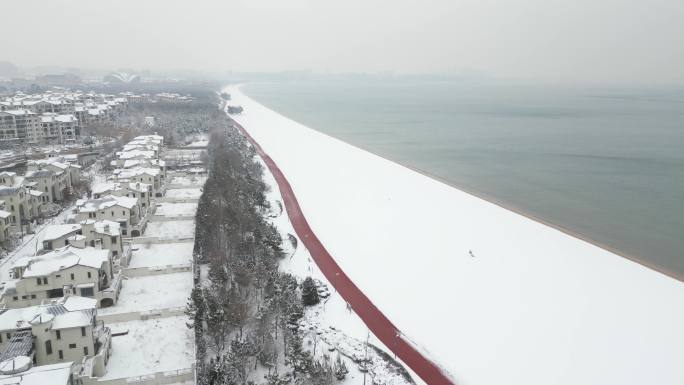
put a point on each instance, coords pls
(309, 292)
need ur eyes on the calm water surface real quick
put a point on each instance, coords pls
(604, 163)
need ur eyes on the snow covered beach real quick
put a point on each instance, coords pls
(529, 305)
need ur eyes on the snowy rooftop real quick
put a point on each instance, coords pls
(63, 312)
(55, 374)
(63, 258)
(53, 232)
(107, 202)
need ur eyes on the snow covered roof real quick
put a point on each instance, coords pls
(53, 232)
(19, 112)
(72, 319)
(137, 171)
(6, 191)
(56, 374)
(64, 312)
(107, 227)
(64, 258)
(74, 303)
(107, 202)
(136, 154)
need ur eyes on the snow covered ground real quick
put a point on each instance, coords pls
(161, 254)
(531, 304)
(154, 292)
(188, 180)
(157, 345)
(184, 193)
(331, 317)
(171, 229)
(176, 209)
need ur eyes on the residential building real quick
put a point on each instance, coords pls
(83, 271)
(124, 210)
(64, 330)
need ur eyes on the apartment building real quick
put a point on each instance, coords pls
(62, 331)
(16, 125)
(58, 129)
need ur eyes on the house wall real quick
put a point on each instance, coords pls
(67, 336)
(28, 288)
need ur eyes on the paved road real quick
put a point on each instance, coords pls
(376, 321)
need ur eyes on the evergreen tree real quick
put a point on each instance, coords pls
(309, 292)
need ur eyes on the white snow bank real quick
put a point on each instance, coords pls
(154, 292)
(161, 254)
(157, 345)
(534, 306)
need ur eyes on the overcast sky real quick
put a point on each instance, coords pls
(550, 40)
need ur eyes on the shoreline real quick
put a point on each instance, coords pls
(504, 205)
(529, 292)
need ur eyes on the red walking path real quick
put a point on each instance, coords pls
(376, 321)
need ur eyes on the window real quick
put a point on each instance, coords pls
(72, 276)
(61, 354)
(85, 350)
(82, 331)
(33, 296)
(8, 336)
(15, 298)
(115, 253)
(24, 297)
(48, 347)
(72, 346)
(59, 334)
(44, 280)
(89, 275)
(87, 292)
(39, 280)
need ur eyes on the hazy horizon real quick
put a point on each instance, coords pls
(586, 41)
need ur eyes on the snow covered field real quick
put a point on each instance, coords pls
(171, 229)
(153, 292)
(184, 193)
(161, 254)
(176, 209)
(151, 346)
(531, 304)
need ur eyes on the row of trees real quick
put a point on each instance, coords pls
(246, 313)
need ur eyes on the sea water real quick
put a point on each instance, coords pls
(604, 163)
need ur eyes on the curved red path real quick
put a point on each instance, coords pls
(376, 321)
